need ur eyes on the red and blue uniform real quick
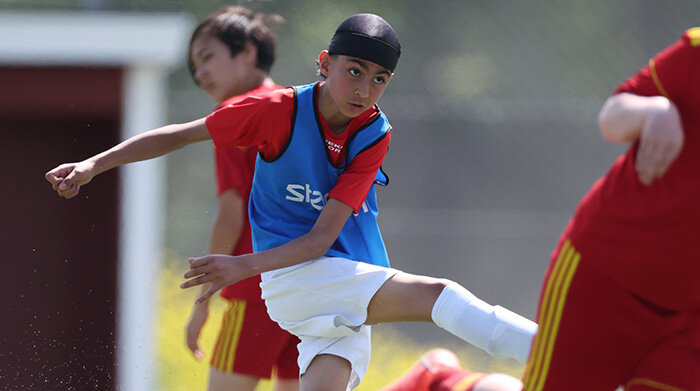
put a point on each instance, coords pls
(263, 121)
(289, 190)
(249, 342)
(620, 304)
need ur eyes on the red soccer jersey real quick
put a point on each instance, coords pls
(265, 121)
(234, 170)
(645, 237)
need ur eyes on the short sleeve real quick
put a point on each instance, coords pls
(233, 170)
(667, 73)
(263, 121)
(353, 185)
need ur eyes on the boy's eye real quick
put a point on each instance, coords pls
(379, 79)
(354, 72)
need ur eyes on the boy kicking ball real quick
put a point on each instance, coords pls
(313, 211)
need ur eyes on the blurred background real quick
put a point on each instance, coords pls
(493, 106)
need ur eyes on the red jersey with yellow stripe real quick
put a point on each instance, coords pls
(234, 171)
(647, 238)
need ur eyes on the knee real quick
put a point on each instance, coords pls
(438, 285)
(326, 372)
(430, 287)
(442, 282)
(327, 384)
(422, 286)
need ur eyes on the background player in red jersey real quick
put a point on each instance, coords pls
(620, 304)
(231, 53)
(621, 300)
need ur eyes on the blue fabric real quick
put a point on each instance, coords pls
(290, 190)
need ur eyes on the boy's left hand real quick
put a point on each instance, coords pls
(219, 270)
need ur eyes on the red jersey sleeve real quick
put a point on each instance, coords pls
(263, 121)
(354, 184)
(234, 169)
(668, 73)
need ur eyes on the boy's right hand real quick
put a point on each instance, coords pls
(218, 270)
(67, 178)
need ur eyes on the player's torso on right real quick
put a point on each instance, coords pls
(648, 237)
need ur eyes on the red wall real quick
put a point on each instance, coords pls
(59, 257)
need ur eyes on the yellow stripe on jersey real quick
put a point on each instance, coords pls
(694, 35)
(552, 307)
(533, 365)
(227, 343)
(557, 318)
(655, 77)
(650, 383)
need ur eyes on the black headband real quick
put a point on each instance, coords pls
(368, 37)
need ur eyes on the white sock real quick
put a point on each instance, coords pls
(500, 332)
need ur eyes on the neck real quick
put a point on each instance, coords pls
(336, 120)
(256, 78)
(253, 80)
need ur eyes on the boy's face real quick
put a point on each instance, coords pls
(219, 74)
(354, 84)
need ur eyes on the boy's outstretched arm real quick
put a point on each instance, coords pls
(222, 270)
(67, 178)
(654, 121)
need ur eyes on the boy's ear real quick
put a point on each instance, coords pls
(324, 62)
(250, 51)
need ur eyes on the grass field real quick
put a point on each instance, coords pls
(392, 352)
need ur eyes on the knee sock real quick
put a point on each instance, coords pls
(500, 332)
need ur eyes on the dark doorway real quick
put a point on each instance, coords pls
(57, 328)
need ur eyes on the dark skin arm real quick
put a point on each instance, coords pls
(222, 270)
(67, 178)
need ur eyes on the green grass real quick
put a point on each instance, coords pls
(392, 352)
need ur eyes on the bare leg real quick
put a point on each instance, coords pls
(286, 385)
(406, 297)
(498, 382)
(390, 303)
(223, 381)
(326, 373)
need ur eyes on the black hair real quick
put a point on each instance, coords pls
(236, 25)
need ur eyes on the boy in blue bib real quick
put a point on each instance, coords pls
(325, 272)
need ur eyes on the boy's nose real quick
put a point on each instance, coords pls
(198, 74)
(362, 89)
